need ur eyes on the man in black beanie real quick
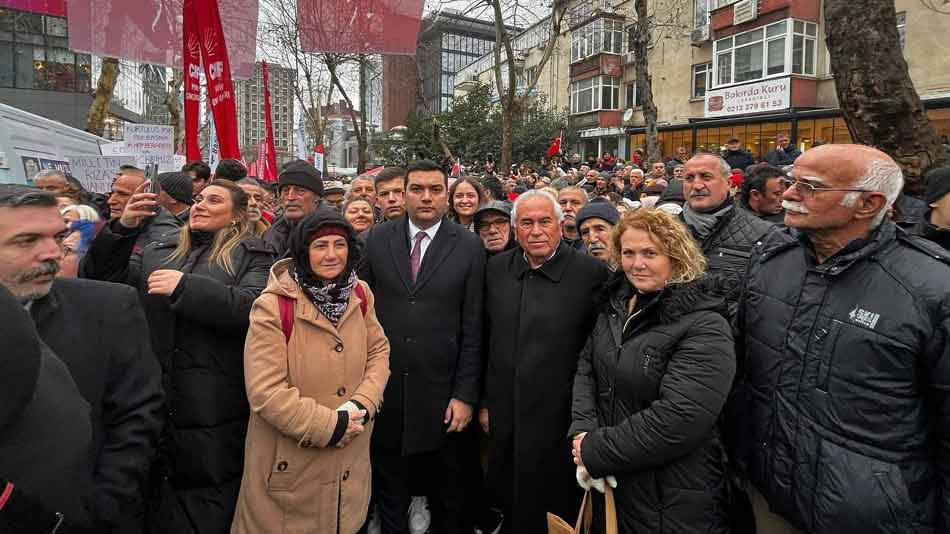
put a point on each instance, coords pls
(936, 223)
(299, 186)
(595, 222)
(176, 194)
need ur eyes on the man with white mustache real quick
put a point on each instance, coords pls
(843, 333)
(596, 221)
(724, 233)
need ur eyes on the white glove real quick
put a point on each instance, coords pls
(348, 406)
(585, 481)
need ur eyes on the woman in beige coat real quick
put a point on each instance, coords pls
(316, 363)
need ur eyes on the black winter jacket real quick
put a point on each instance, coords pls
(99, 331)
(930, 232)
(277, 237)
(841, 409)
(738, 159)
(198, 335)
(648, 391)
(728, 246)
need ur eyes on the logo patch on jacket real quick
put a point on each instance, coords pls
(864, 317)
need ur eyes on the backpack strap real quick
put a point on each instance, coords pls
(361, 293)
(286, 306)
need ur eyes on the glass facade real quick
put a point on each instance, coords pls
(595, 94)
(34, 54)
(455, 51)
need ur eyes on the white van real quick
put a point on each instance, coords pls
(30, 143)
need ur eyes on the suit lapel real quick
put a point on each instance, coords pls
(399, 248)
(438, 250)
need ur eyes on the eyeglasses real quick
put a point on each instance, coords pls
(806, 189)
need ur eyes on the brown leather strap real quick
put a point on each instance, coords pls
(585, 515)
(611, 510)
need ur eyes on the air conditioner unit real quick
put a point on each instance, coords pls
(699, 36)
(629, 58)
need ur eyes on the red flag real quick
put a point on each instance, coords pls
(150, 31)
(555, 147)
(57, 8)
(360, 26)
(214, 55)
(269, 170)
(318, 157)
(191, 53)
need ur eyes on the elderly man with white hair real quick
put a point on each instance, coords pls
(540, 307)
(842, 408)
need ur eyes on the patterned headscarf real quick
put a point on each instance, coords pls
(329, 296)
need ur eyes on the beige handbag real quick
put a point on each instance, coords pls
(556, 525)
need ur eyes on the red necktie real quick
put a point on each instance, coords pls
(415, 258)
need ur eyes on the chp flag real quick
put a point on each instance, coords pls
(150, 31)
(360, 26)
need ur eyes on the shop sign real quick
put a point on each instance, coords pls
(768, 95)
(744, 11)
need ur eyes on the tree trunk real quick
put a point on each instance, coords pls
(875, 92)
(99, 109)
(172, 98)
(507, 138)
(645, 81)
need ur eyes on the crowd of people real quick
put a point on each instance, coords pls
(727, 345)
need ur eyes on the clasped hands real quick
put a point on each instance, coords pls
(584, 480)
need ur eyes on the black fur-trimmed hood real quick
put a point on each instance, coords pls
(704, 294)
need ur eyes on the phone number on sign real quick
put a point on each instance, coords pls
(755, 106)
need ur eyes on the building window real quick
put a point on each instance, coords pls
(702, 75)
(902, 28)
(594, 94)
(600, 36)
(701, 11)
(633, 95)
(762, 52)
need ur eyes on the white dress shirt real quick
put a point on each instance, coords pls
(430, 235)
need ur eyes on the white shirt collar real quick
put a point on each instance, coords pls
(525, 254)
(430, 231)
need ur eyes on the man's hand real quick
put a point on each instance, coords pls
(141, 206)
(483, 420)
(164, 282)
(457, 415)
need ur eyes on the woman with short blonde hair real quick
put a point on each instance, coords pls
(652, 381)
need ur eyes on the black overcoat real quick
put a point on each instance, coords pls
(538, 322)
(434, 328)
(99, 331)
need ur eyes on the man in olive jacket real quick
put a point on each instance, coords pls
(427, 274)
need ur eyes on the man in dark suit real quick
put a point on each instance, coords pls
(99, 331)
(427, 274)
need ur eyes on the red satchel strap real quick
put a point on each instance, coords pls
(362, 296)
(286, 306)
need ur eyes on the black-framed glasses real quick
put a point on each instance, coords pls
(807, 189)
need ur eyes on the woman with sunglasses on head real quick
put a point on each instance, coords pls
(197, 287)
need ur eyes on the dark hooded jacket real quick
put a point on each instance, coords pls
(841, 406)
(648, 391)
(931, 232)
(198, 335)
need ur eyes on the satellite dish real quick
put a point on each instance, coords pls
(627, 115)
